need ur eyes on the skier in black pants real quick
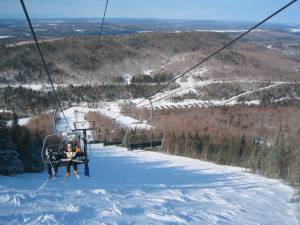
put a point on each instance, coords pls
(52, 166)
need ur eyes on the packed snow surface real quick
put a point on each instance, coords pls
(146, 188)
(142, 187)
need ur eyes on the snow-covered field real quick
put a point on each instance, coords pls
(110, 109)
(21, 43)
(295, 30)
(230, 31)
(162, 100)
(146, 188)
(5, 37)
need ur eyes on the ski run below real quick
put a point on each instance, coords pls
(140, 187)
(143, 187)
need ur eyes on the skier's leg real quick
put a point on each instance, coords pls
(75, 168)
(55, 168)
(49, 169)
(68, 167)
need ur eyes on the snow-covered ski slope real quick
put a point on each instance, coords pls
(146, 188)
(109, 109)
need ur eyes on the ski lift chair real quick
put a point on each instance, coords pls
(143, 139)
(59, 150)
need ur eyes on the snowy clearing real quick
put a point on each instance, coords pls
(21, 43)
(110, 109)
(146, 188)
(230, 31)
(21, 122)
(294, 30)
(5, 37)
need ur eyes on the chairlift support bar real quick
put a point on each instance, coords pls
(91, 124)
(85, 143)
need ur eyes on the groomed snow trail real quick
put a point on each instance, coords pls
(146, 188)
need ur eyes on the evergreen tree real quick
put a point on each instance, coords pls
(280, 154)
(295, 167)
(15, 120)
(9, 157)
(173, 143)
(238, 149)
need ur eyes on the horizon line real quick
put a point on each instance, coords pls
(146, 18)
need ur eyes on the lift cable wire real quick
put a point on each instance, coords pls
(187, 71)
(43, 60)
(207, 58)
(219, 50)
(102, 23)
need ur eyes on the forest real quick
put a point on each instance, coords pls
(20, 146)
(262, 139)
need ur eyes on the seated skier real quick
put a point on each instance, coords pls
(71, 154)
(52, 165)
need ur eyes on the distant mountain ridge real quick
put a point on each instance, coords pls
(17, 29)
(80, 60)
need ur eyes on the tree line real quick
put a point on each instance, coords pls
(156, 78)
(276, 160)
(32, 101)
(20, 148)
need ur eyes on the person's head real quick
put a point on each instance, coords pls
(69, 146)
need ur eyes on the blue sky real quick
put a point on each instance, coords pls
(229, 10)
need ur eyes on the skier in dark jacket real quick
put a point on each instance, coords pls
(52, 157)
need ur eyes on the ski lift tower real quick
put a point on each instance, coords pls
(83, 127)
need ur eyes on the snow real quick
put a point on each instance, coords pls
(147, 188)
(5, 37)
(113, 111)
(127, 78)
(109, 109)
(80, 30)
(36, 86)
(21, 122)
(295, 30)
(145, 31)
(233, 99)
(147, 72)
(140, 187)
(190, 84)
(229, 31)
(33, 86)
(31, 42)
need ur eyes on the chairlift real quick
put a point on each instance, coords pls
(55, 146)
(144, 138)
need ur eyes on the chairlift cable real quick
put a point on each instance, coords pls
(209, 57)
(220, 50)
(102, 23)
(43, 60)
